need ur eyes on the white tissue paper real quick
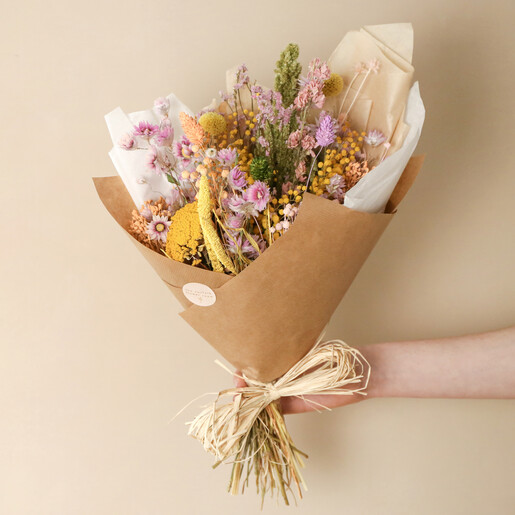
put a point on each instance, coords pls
(141, 183)
(372, 192)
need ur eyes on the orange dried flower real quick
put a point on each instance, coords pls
(192, 129)
(354, 172)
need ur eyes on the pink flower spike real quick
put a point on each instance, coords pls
(308, 143)
(302, 99)
(294, 139)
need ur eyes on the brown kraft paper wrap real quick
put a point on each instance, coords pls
(295, 285)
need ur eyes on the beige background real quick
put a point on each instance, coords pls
(94, 358)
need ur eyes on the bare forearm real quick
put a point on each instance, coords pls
(473, 366)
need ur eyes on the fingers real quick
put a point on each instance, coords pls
(238, 381)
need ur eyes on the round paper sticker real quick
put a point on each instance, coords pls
(199, 294)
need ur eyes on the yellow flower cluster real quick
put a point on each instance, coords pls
(240, 137)
(213, 123)
(333, 85)
(337, 161)
(275, 212)
(184, 241)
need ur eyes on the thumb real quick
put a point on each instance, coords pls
(238, 381)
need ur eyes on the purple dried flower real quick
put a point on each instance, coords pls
(224, 96)
(326, 132)
(236, 179)
(242, 77)
(264, 142)
(256, 91)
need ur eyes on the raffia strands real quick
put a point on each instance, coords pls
(214, 245)
(192, 129)
(249, 428)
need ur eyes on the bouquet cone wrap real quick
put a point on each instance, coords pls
(294, 286)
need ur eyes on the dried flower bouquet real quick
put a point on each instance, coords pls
(271, 198)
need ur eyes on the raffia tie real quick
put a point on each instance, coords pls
(329, 368)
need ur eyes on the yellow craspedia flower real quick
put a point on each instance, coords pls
(332, 86)
(213, 123)
(184, 241)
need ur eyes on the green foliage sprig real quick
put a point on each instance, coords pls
(287, 73)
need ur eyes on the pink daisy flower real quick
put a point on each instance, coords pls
(374, 138)
(162, 105)
(240, 206)
(145, 129)
(158, 227)
(237, 179)
(165, 136)
(227, 156)
(127, 142)
(259, 194)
